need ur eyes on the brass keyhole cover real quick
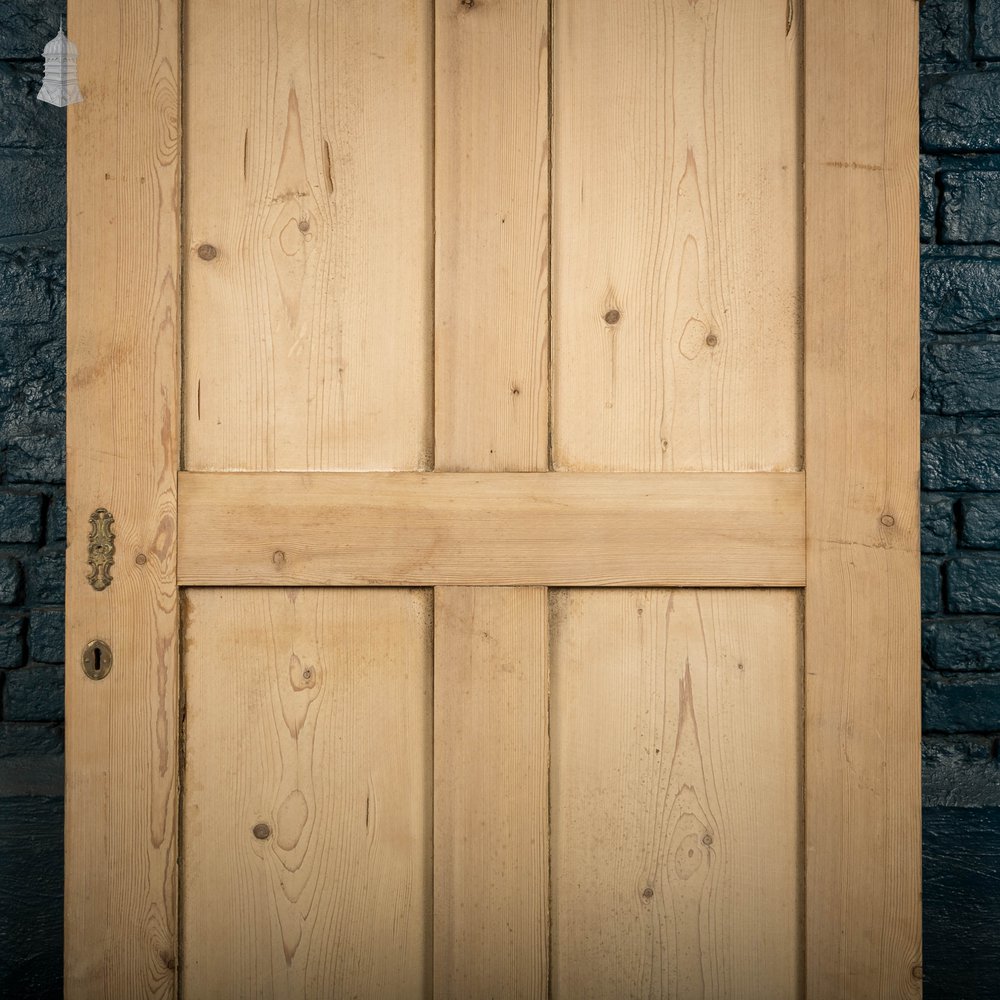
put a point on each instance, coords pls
(97, 660)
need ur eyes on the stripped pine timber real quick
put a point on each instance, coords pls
(491, 858)
(307, 822)
(676, 794)
(491, 415)
(123, 191)
(397, 529)
(676, 236)
(863, 524)
(308, 235)
(491, 399)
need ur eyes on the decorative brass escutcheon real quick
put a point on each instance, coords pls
(101, 550)
(97, 660)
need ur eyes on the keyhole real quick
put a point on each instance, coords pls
(97, 660)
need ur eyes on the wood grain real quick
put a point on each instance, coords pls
(676, 250)
(308, 166)
(491, 412)
(675, 789)
(491, 845)
(498, 529)
(491, 399)
(321, 732)
(123, 190)
(862, 451)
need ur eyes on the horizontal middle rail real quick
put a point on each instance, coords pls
(491, 529)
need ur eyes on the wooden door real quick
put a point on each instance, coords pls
(507, 410)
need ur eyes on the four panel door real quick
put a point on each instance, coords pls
(511, 452)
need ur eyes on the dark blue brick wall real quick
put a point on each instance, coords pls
(960, 337)
(32, 505)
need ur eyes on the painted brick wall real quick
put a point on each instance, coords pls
(32, 505)
(960, 230)
(960, 331)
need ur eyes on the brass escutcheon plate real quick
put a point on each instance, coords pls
(97, 660)
(101, 550)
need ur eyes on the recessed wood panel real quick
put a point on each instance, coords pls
(676, 319)
(676, 722)
(307, 793)
(308, 235)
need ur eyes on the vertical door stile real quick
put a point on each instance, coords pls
(491, 414)
(122, 443)
(862, 598)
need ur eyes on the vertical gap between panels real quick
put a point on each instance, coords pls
(551, 229)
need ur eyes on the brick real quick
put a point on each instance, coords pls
(11, 641)
(960, 891)
(37, 459)
(928, 200)
(980, 520)
(970, 206)
(20, 518)
(25, 122)
(45, 573)
(937, 518)
(962, 643)
(40, 181)
(25, 274)
(25, 739)
(26, 25)
(965, 704)
(973, 585)
(960, 295)
(34, 694)
(930, 586)
(10, 580)
(960, 112)
(987, 45)
(960, 771)
(46, 632)
(944, 31)
(961, 376)
(55, 528)
(964, 462)
(31, 896)
(933, 425)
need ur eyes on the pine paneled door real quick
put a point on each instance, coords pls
(507, 410)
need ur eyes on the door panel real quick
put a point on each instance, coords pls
(676, 794)
(308, 235)
(307, 793)
(676, 240)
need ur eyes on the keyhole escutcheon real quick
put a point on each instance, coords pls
(97, 660)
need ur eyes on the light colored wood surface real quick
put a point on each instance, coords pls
(491, 777)
(491, 410)
(491, 399)
(123, 193)
(320, 729)
(675, 790)
(743, 529)
(676, 185)
(862, 452)
(308, 145)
